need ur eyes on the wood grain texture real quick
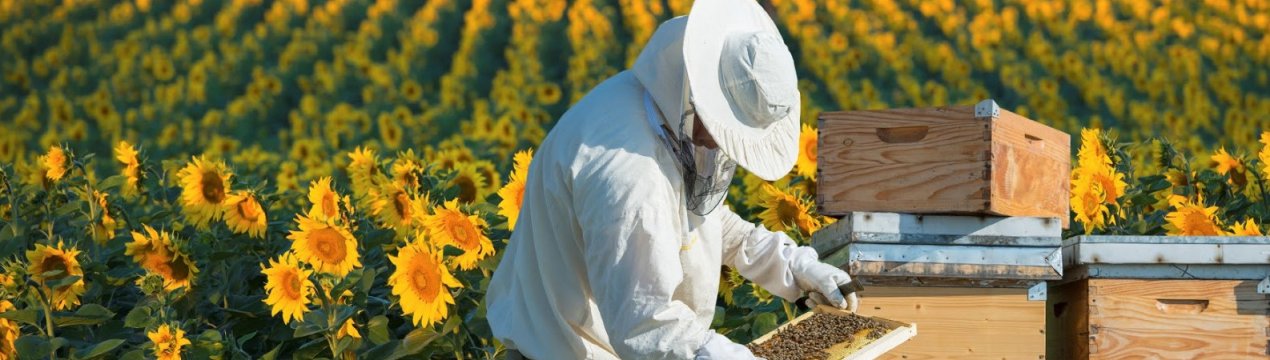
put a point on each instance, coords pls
(961, 323)
(941, 160)
(1176, 319)
(1067, 321)
(945, 169)
(1031, 168)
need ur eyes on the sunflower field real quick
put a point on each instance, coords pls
(337, 178)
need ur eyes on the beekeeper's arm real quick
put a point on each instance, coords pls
(775, 262)
(632, 254)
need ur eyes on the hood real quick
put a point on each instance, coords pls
(660, 68)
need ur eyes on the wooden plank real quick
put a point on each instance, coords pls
(962, 323)
(1027, 182)
(902, 160)
(1067, 321)
(1187, 318)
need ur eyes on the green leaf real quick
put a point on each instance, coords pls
(138, 318)
(102, 348)
(272, 354)
(111, 182)
(314, 322)
(88, 314)
(368, 280)
(451, 325)
(25, 316)
(310, 349)
(414, 342)
(343, 344)
(764, 323)
(32, 347)
(63, 282)
(378, 330)
(136, 354)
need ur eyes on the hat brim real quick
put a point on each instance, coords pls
(769, 152)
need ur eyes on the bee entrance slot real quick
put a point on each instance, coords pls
(1181, 306)
(900, 135)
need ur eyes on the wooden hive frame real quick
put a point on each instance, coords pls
(898, 333)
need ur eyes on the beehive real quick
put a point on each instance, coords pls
(1162, 297)
(974, 283)
(958, 159)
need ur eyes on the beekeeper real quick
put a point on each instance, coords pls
(622, 235)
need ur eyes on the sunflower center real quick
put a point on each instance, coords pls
(810, 150)
(401, 203)
(213, 187)
(426, 278)
(291, 285)
(467, 189)
(52, 263)
(463, 232)
(180, 271)
(248, 211)
(1197, 223)
(787, 211)
(328, 244)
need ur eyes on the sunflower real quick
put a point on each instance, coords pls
(450, 226)
(513, 194)
(326, 203)
(1192, 218)
(411, 90)
(288, 288)
(1247, 228)
(155, 252)
(54, 163)
(46, 259)
(806, 164)
(204, 186)
(168, 342)
(783, 211)
(451, 156)
(406, 169)
(1231, 166)
(245, 215)
(1087, 203)
(363, 171)
(8, 333)
(1091, 148)
(422, 283)
(389, 131)
(397, 209)
(328, 247)
(127, 156)
(549, 94)
(470, 183)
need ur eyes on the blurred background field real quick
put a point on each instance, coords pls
(435, 97)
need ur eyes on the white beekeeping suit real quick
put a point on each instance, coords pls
(611, 257)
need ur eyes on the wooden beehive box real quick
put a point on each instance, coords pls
(958, 160)
(1161, 297)
(860, 349)
(976, 284)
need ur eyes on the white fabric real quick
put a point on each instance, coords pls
(605, 261)
(744, 84)
(718, 347)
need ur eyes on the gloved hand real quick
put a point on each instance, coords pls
(718, 347)
(821, 281)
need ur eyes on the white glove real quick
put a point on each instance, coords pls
(822, 281)
(718, 347)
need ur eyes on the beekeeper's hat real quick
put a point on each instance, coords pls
(743, 84)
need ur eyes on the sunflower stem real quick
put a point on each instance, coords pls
(48, 316)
